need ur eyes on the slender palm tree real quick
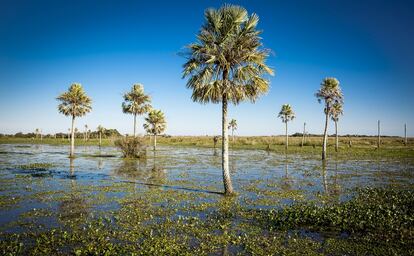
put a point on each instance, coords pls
(37, 132)
(74, 103)
(155, 124)
(136, 102)
(233, 127)
(100, 130)
(286, 114)
(330, 93)
(336, 111)
(227, 64)
(86, 132)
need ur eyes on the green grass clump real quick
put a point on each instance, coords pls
(132, 147)
(36, 166)
(377, 214)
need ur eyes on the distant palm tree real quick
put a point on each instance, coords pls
(233, 127)
(286, 114)
(86, 132)
(335, 113)
(74, 103)
(155, 124)
(330, 93)
(37, 132)
(100, 130)
(227, 64)
(136, 102)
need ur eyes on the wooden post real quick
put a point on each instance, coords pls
(303, 135)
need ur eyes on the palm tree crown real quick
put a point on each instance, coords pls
(227, 60)
(155, 122)
(100, 128)
(331, 93)
(336, 111)
(233, 124)
(74, 102)
(286, 113)
(136, 101)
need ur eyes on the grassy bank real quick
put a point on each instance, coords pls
(350, 147)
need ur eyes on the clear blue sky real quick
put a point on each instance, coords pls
(109, 45)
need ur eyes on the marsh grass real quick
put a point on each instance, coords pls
(132, 147)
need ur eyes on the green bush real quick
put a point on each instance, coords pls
(132, 147)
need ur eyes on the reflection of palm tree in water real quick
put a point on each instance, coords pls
(100, 164)
(332, 189)
(158, 174)
(287, 181)
(73, 209)
(324, 177)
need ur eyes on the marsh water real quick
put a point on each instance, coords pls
(261, 179)
(42, 189)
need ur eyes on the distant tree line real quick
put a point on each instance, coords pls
(80, 134)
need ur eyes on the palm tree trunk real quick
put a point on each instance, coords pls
(100, 139)
(228, 187)
(286, 132)
(72, 141)
(325, 135)
(135, 124)
(155, 142)
(303, 134)
(336, 136)
(232, 135)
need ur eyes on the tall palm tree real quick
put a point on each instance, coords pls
(100, 130)
(155, 124)
(330, 93)
(227, 64)
(286, 114)
(136, 102)
(337, 111)
(74, 103)
(233, 127)
(37, 132)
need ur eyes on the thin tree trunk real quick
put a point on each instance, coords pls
(287, 137)
(325, 135)
(379, 135)
(405, 134)
(72, 142)
(228, 187)
(336, 136)
(303, 135)
(135, 124)
(100, 139)
(232, 135)
(155, 142)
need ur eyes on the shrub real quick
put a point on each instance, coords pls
(132, 147)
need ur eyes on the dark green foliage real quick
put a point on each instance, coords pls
(132, 147)
(383, 214)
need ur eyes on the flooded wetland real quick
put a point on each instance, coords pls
(172, 203)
